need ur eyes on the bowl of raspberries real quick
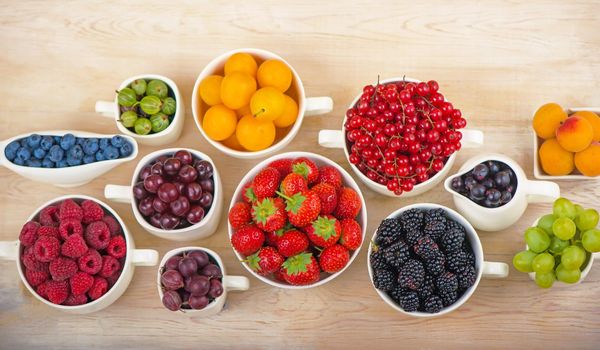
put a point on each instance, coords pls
(426, 260)
(75, 254)
(297, 220)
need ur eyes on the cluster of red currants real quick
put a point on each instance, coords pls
(400, 134)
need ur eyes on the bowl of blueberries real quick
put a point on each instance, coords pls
(65, 158)
(492, 191)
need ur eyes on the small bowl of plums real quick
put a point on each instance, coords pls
(492, 191)
(192, 280)
(175, 194)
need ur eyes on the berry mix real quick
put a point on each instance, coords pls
(295, 221)
(175, 191)
(422, 260)
(401, 134)
(190, 280)
(146, 106)
(73, 252)
(490, 184)
(47, 151)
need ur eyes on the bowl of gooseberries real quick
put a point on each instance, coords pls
(561, 246)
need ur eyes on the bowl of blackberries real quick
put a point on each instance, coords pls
(426, 260)
(175, 194)
(492, 191)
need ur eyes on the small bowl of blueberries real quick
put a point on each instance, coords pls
(492, 191)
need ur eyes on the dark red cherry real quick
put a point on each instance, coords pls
(193, 191)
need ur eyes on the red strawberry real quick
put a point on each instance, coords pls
(240, 215)
(70, 210)
(265, 183)
(302, 208)
(330, 175)
(284, 166)
(324, 232)
(248, 193)
(292, 242)
(269, 214)
(74, 247)
(57, 291)
(301, 269)
(334, 258)
(349, 204)
(293, 183)
(306, 168)
(272, 237)
(247, 240)
(278, 275)
(328, 196)
(351, 234)
(80, 283)
(265, 261)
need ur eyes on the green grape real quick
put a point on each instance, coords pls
(522, 261)
(557, 245)
(139, 86)
(169, 106)
(537, 239)
(566, 275)
(142, 126)
(587, 219)
(543, 263)
(545, 280)
(126, 97)
(564, 228)
(578, 209)
(564, 208)
(159, 121)
(572, 257)
(128, 118)
(150, 104)
(157, 88)
(591, 240)
(545, 223)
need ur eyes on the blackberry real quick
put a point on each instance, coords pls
(412, 220)
(413, 236)
(409, 301)
(411, 275)
(467, 278)
(452, 240)
(384, 280)
(433, 304)
(426, 248)
(396, 293)
(388, 232)
(456, 261)
(435, 265)
(396, 254)
(435, 223)
(451, 224)
(446, 282)
(466, 247)
(448, 297)
(377, 260)
(427, 288)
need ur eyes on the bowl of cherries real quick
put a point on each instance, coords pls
(401, 136)
(175, 194)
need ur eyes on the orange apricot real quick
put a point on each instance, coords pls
(588, 160)
(575, 134)
(547, 119)
(594, 120)
(554, 159)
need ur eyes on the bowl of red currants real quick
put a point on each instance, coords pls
(175, 194)
(401, 136)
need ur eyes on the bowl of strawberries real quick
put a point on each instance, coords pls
(297, 220)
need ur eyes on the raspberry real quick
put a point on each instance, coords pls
(80, 283)
(426, 248)
(110, 266)
(62, 268)
(409, 301)
(411, 275)
(74, 300)
(98, 289)
(31, 263)
(49, 216)
(29, 233)
(452, 240)
(117, 247)
(90, 262)
(49, 231)
(448, 297)
(113, 225)
(57, 291)
(388, 232)
(35, 278)
(412, 220)
(384, 280)
(112, 280)
(92, 211)
(74, 247)
(396, 254)
(70, 227)
(46, 249)
(70, 210)
(435, 265)
(42, 289)
(433, 304)
(97, 235)
(447, 282)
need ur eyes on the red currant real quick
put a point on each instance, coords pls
(423, 89)
(437, 164)
(433, 85)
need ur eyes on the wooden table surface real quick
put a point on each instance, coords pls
(495, 60)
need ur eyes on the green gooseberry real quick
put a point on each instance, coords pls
(151, 104)
(142, 126)
(128, 119)
(160, 122)
(139, 86)
(126, 97)
(169, 105)
(157, 88)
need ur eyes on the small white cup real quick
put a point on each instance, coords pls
(496, 219)
(169, 135)
(72, 176)
(307, 106)
(11, 250)
(230, 283)
(206, 227)
(484, 268)
(337, 139)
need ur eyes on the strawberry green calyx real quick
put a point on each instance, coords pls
(298, 263)
(293, 203)
(284, 229)
(252, 261)
(264, 209)
(324, 227)
(301, 169)
(250, 194)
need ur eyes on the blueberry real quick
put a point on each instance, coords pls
(19, 161)
(104, 143)
(80, 141)
(46, 142)
(56, 153)
(39, 153)
(126, 149)
(100, 156)
(62, 163)
(36, 163)
(67, 141)
(90, 146)
(75, 152)
(89, 158)
(57, 139)
(117, 141)
(33, 141)
(24, 143)
(10, 151)
(72, 161)
(111, 153)
(480, 172)
(23, 153)
(47, 163)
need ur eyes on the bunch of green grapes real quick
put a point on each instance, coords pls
(560, 245)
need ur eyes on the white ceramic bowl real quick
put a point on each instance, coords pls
(496, 219)
(307, 106)
(169, 135)
(205, 228)
(319, 161)
(337, 139)
(69, 176)
(484, 268)
(11, 250)
(230, 283)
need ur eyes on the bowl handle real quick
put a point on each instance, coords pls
(105, 108)
(494, 269)
(233, 283)
(318, 105)
(9, 250)
(541, 191)
(331, 139)
(471, 138)
(116, 193)
(145, 257)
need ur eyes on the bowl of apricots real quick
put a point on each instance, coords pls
(566, 143)
(250, 103)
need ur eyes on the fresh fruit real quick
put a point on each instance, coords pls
(142, 126)
(586, 161)
(233, 143)
(219, 122)
(564, 228)
(274, 73)
(126, 97)
(292, 184)
(237, 89)
(545, 222)
(248, 240)
(267, 103)
(269, 214)
(351, 236)
(545, 280)
(490, 184)
(567, 275)
(543, 263)
(523, 261)
(302, 208)
(328, 196)
(157, 88)
(330, 175)
(255, 135)
(267, 260)
(334, 258)
(307, 168)
(324, 232)
(575, 134)
(292, 242)
(563, 207)
(594, 121)
(210, 90)
(240, 215)
(289, 114)
(586, 219)
(572, 257)
(349, 204)
(241, 62)
(554, 159)
(547, 119)
(284, 166)
(301, 269)
(537, 240)
(265, 183)
(590, 240)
